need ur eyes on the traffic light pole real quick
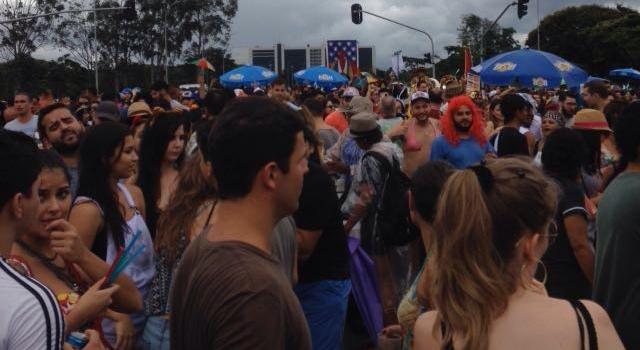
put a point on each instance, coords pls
(433, 53)
(491, 27)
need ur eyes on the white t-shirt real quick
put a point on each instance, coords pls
(30, 317)
(28, 128)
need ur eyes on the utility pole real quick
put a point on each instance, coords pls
(356, 17)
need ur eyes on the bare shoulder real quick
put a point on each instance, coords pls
(608, 337)
(423, 336)
(88, 210)
(136, 193)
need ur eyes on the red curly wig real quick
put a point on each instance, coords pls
(477, 125)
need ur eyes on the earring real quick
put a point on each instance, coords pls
(544, 269)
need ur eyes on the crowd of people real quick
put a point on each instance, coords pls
(376, 215)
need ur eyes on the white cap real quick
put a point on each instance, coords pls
(350, 92)
(420, 95)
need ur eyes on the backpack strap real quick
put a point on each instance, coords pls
(583, 314)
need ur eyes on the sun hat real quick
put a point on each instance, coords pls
(357, 105)
(363, 124)
(591, 119)
(138, 108)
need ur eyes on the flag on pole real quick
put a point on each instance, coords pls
(342, 56)
(203, 64)
(467, 60)
(397, 62)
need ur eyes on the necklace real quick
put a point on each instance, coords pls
(61, 273)
(35, 253)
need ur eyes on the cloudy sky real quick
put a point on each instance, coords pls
(301, 22)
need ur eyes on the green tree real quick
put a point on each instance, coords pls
(22, 38)
(475, 33)
(454, 63)
(597, 38)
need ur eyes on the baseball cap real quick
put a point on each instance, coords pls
(420, 95)
(350, 92)
(108, 110)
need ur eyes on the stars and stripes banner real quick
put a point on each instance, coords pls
(342, 56)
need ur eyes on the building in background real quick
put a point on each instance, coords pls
(287, 60)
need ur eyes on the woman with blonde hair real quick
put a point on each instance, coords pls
(492, 225)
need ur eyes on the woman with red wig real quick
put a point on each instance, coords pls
(462, 142)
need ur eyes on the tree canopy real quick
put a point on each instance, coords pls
(596, 38)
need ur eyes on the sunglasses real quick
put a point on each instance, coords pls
(331, 106)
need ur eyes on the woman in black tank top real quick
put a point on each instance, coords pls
(493, 223)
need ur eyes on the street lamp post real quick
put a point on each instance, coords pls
(491, 27)
(165, 55)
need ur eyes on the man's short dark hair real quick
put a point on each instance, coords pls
(563, 95)
(216, 99)
(160, 85)
(249, 133)
(597, 87)
(20, 165)
(109, 96)
(279, 81)
(314, 106)
(93, 91)
(43, 113)
(510, 104)
(23, 93)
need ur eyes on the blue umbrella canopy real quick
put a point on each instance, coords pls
(247, 76)
(628, 73)
(320, 76)
(531, 68)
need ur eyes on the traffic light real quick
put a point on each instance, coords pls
(522, 8)
(356, 13)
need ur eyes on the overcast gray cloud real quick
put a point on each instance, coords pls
(301, 22)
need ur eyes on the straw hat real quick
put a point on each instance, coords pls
(591, 119)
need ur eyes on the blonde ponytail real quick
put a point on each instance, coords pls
(476, 228)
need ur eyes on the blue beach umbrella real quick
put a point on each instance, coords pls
(628, 73)
(321, 77)
(530, 68)
(247, 76)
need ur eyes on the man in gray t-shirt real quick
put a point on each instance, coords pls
(26, 122)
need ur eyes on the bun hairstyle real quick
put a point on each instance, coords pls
(482, 213)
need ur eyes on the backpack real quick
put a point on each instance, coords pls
(392, 219)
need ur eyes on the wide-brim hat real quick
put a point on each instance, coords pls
(138, 108)
(363, 124)
(591, 119)
(357, 105)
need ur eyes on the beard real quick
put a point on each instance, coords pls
(66, 149)
(462, 128)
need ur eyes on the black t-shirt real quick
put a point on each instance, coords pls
(565, 278)
(319, 210)
(509, 141)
